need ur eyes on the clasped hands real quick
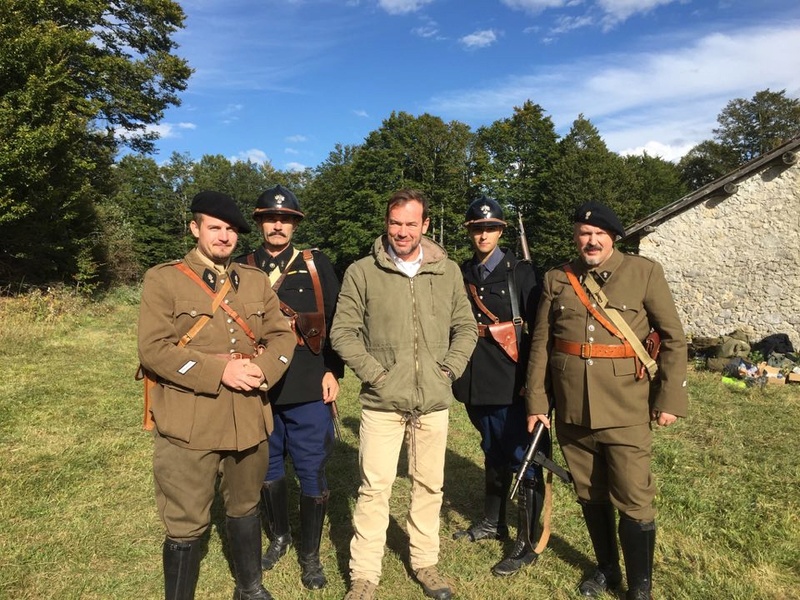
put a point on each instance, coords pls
(243, 375)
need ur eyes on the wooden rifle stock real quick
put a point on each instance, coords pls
(523, 240)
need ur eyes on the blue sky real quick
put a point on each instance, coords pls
(285, 80)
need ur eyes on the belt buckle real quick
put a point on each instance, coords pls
(236, 355)
(584, 353)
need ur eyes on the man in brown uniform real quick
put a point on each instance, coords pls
(603, 410)
(211, 337)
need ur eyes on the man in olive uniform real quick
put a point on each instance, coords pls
(302, 402)
(503, 294)
(603, 403)
(210, 335)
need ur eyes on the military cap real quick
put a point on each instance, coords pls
(221, 206)
(277, 200)
(484, 212)
(594, 213)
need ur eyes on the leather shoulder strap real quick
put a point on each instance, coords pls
(218, 297)
(473, 292)
(573, 280)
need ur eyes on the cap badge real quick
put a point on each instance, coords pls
(588, 214)
(486, 210)
(279, 198)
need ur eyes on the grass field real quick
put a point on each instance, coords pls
(78, 520)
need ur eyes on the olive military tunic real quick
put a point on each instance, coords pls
(190, 405)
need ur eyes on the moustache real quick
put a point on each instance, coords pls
(590, 247)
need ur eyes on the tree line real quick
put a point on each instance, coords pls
(83, 80)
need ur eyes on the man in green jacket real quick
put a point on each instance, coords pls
(404, 325)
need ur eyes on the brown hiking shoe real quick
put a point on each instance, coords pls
(433, 584)
(361, 589)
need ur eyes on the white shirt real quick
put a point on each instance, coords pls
(409, 267)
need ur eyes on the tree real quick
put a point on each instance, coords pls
(585, 170)
(706, 162)
(512, 162)
(754, 127)
(657, 183)
(80, 78)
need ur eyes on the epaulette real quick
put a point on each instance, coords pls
(170, 263)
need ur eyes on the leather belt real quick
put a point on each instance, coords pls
(236, 356)
(483, 331)
(586, 350)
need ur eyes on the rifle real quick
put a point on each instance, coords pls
(537, 457)
(523, 240)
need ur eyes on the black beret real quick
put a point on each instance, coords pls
(484, 212)
(278, 200)
(221, 206)
(594, 213)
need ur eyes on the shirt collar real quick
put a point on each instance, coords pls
(409, 267)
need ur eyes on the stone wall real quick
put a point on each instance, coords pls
(733, 262)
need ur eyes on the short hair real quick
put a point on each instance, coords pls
(400, 197)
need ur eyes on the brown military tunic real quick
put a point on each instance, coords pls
(599, 398)
(190, 405)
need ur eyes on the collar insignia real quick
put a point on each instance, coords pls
(210, 278)
(235, 280)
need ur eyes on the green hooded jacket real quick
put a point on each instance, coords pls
(397, 333)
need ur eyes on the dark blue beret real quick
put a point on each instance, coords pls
(221, 206)
(599, 215)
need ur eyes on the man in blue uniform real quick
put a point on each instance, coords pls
(503, 294)
(307, 286)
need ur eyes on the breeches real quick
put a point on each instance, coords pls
(185, 482)
(611, 465)
(504, 436)
(382, 435)
(304, 432)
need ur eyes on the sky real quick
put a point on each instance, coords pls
(284, 81)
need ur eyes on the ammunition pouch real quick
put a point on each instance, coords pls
(505, 334)
(652, 344)
(310, 329)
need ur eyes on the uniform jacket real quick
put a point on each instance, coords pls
(303, 379)
(405, 329)
(602, 392)
(491, 377)
(189, 404)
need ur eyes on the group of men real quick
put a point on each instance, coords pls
(242, 358)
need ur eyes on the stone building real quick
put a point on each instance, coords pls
(731, 249)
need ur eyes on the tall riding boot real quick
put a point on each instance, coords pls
(181, 568)
(530, 509)
(601, 523)
(493, 525)
(275, 500)
(638, 541)
(244, 538)
(312, 518)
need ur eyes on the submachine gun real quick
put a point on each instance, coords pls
(537, 457)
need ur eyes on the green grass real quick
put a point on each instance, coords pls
(78, 519)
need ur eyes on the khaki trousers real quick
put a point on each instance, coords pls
(381, 437)
(611, 465)
(185, 482)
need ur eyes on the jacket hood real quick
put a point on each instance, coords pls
(433, 255)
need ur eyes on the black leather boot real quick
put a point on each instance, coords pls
(638, 541)
(312, 518)
(275, 501)
(244, 539)
(493, 525)
(181, 568)
(601, 523)
(530, 509)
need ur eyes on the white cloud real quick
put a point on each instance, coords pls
(669, 97)
(290, 151)
(402, 7)
(169, 130)
(360, 112)
(296, 167)
(535, 6)
(479, 39)
(665, 151)
(426, 31)
(254, 155)
(620, 10)
(612, 11)
(297, 139)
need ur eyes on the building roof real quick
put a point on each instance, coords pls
(785, 154)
